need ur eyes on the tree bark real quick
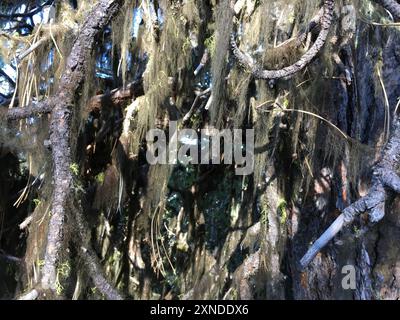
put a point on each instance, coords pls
(60, 136)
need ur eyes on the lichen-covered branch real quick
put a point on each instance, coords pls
(385, 179)
(96, 274)
(60, 136)
(312, 25)
(89, 258)
(257, 71)
(117, 96)
(29, 111)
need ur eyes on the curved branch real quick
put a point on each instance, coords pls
(96, 274)
(90, 260)
(311, 27)
(385, 179)
(392, 6)
(306, 59)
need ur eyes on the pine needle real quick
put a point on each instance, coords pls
(55, 43)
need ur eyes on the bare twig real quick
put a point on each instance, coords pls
(305, 112)
(32, 48)
(193, 109)
(387, 107)
(10, 258)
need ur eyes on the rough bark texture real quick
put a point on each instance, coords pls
(27, 112)
(60, 136)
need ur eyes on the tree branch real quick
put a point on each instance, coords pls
(27, 112)
(117, 96)
(392, 6)
(89, 258)
(312, 25)
(60, 136)
(258, 73)
(96, 274)
(384, 180)
(27, 14)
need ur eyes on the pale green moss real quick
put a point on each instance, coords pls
(100, 178)
(63, 271)
(282, 210)
(74, 167)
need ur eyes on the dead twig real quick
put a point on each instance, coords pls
(193, 109)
